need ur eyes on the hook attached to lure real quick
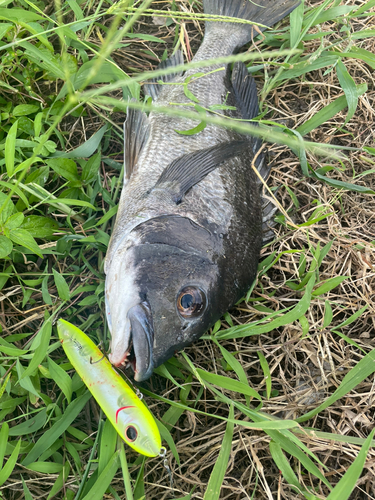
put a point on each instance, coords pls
(127, 413)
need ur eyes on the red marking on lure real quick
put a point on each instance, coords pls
(122, 408)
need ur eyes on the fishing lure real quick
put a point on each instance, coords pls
(127, 413)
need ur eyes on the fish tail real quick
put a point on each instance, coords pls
(263, 12)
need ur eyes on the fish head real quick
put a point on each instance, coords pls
(162, 291)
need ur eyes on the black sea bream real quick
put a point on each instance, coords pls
(188, 233)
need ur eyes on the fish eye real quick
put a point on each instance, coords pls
(191, 301)
(131, 433)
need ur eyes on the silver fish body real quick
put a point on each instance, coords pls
(188, 233)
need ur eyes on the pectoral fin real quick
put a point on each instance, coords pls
(186, 171)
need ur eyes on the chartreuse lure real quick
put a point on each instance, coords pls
(127, 413)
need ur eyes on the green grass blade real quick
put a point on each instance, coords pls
(125, 472)
(328, 112)
(107, 445)
(61, 285)
(7, 470)
(349, 87)
(363, 369)
(296, 20)
(26, 490)
(61, 378)
(287, 471)
(40, 353)
(347, 483)
(228, 383)
(267, 373)
(50, 436)
(33, 424)
(4, 432)
(10, 148)
(285, 319)
(104, 480)
(217, 475)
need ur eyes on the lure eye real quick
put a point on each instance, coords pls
(131, 433)
(191, 301)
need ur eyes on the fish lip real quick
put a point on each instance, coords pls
(120, 348)
(142, 335)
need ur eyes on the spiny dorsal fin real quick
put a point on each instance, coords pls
(245, 94)
(153, 88)
(184, 172)
(136, 134)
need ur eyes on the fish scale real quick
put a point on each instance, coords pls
(188, 234)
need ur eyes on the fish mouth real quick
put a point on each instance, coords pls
(138, 351)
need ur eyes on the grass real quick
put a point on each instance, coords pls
(276, 401)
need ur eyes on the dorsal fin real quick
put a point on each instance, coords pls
(136, 134)
(152, 88)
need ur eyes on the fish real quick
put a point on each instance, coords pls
(128, 414)
(189, 228)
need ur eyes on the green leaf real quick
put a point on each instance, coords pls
(347, 483)
(6, 246)
(65, 167)
(296, 20)
(342, 185)
(33, 424)
(39, 227)
(7, 470)
(26, 490)
(217, 475)
(87, 149)
(329, 285)
(107, 216)
(10, 148)
(45, 292)
(25, 109)
(201, 126)
(4, 28)
(91, 168)
(40, 353)
(61, 285)
(349, 87)
(43, 58)
(61, 378)
(23, 238)
(228, 383)
(45, 467)
(51, 435)
(22, 15)
(14, 220)
(267, 373)
(4, 430)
